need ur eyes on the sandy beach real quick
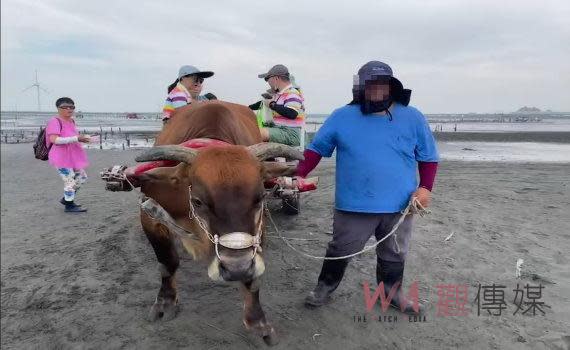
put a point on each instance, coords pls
(87, 281)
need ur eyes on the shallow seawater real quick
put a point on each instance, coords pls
(505, 152)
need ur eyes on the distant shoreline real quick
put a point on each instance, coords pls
(562, 137)
(524, 136)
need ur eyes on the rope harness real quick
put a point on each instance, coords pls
(244, 240)
(233, 240)
(413, 207)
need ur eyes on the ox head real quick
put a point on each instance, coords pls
(225, 201)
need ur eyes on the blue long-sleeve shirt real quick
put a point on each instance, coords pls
(376, 158)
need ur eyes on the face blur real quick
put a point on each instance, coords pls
(66, 110)
(193, 84)
(376, 91)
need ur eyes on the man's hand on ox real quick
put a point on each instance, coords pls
(423, 195)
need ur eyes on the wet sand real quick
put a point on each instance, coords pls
(87, 281)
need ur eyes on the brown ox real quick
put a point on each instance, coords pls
(213, 193)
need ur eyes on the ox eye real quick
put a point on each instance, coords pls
(196, 202)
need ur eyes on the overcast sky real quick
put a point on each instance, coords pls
(456, 56)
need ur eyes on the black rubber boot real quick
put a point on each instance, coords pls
(390, 273)
(64, 202)
(329, 279)
(71, 207)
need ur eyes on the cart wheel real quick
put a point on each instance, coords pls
(292, 204)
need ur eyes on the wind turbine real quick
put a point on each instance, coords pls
(38, 88)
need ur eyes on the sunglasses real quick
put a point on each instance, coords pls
(197, 80)
(67, 107)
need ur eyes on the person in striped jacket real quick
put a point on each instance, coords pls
(287, 105)
(185, 89)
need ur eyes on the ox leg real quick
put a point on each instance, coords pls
(164, 307)
(254, 317)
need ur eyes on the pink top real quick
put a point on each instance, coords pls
(71, 155)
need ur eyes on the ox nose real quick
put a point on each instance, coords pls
(237, 264)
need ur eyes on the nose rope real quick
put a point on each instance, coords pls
(229, 243)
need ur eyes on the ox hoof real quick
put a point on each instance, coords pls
(271, 339)
(164, 310)
(264, 330)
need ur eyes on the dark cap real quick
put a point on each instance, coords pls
(276, 70)
(374, 70)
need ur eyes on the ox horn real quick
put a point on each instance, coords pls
(169, 152)
(267, 150)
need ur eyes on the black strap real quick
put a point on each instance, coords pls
(255, 106)
(286, 112)
(60, 129)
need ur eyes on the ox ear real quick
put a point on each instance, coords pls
(272, 170)
(268, 150)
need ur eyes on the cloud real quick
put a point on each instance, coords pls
(457, 56)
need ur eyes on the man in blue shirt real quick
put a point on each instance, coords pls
(380, 143)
